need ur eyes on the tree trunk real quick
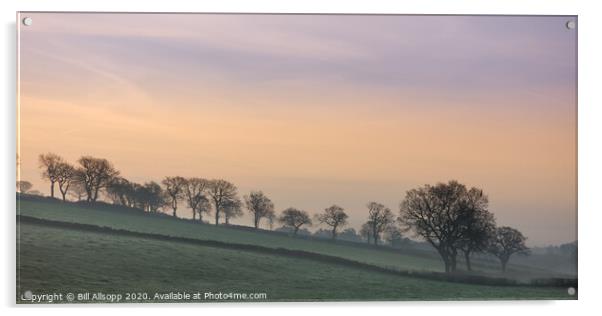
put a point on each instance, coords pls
(193, 214)
(467, 258)
(296, 230)
(216, 216)
(64, 196)
(256, 222)
(174, 211)
(52, 189)
(334, 233)
(446, 263)
(504, 262)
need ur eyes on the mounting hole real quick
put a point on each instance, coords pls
(571, 25)
(571, 291)
(27, 21)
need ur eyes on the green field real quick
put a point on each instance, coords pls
(133, 221)
(55, 258)
(65, 260)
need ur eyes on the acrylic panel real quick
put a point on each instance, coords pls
(188, 158)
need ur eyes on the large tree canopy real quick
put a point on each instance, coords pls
(294, 218)
(506, 242)
(333, 216)
(445, 215)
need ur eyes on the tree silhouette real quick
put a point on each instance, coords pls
(393, 234)
(379, 217)
(506, 242)
(23, 186)
(259, 206)
(294, 218)
(366, 231)
(49, 163)
(222, 193)
(122, 191)
(94, 174)
(477, 226)
(437, 214)
(174, 187)
(77, 190)
(333, 216)
(65, 175)
(194, 192)
(232, 209)
(151, 197)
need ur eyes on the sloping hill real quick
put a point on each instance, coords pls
(137, 221)
(58, 259)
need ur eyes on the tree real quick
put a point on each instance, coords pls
(23, 186)
(150, 197)
(478, 225)
(48, 164)
(232, 209)
(222, 193)
(174, 187)
(259, 206)
(94, 174)
(333, 216)
(121, 191)
(294, 218)
(65, 176)
(77, 190)
(506, 242)
(379, 217)
(440, 214)
(271, 219)
(194, 191)
(366, 231)
(349, 234)
(393, 234)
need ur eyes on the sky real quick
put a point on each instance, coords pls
(314, 110)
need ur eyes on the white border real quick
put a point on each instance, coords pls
(590, 152)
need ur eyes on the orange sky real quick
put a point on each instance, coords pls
(300, 107)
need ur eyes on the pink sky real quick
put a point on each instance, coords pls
(314, 110)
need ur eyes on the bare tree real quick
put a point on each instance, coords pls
(506, 242)
(23, 186)
(121, 191)
(335, 217)
(48, 164)
(232, 209)
(259, 206)
(294, 218)
(366, 231)
(77, 190)
(150, 197)
(174, 187)
(379, 216)
(95, 174)
(65, 176)
(477, 226)
(439, 214)
(194, 191)
(222, 193)
(393, 234)
(271, 218)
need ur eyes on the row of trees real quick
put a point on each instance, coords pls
(452, 218)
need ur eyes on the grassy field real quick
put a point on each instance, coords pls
(134, 221)
(66, 260)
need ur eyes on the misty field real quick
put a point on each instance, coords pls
(67, 260)
(126, 219)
